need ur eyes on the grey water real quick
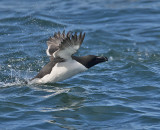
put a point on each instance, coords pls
(121, 94)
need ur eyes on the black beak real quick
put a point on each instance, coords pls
(102, 58)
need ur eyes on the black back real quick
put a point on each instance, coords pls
(48, 68)
(90, 60)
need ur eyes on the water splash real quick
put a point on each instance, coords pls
(16, 77)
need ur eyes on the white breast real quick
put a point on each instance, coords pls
(62, 71)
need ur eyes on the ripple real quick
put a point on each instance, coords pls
(122, 93)
(45, 21)
(145, 88)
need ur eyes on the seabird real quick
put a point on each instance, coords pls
(63, 64)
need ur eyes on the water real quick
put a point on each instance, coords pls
(120, 94)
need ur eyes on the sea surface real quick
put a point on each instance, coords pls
(121, 94)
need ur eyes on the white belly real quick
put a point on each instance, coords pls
(62, 71)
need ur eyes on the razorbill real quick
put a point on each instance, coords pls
(63, 64)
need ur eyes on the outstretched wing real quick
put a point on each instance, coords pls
(69, 46)
(64, 46)
(54, 42)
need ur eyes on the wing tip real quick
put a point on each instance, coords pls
(69, 36)
(82, 37)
